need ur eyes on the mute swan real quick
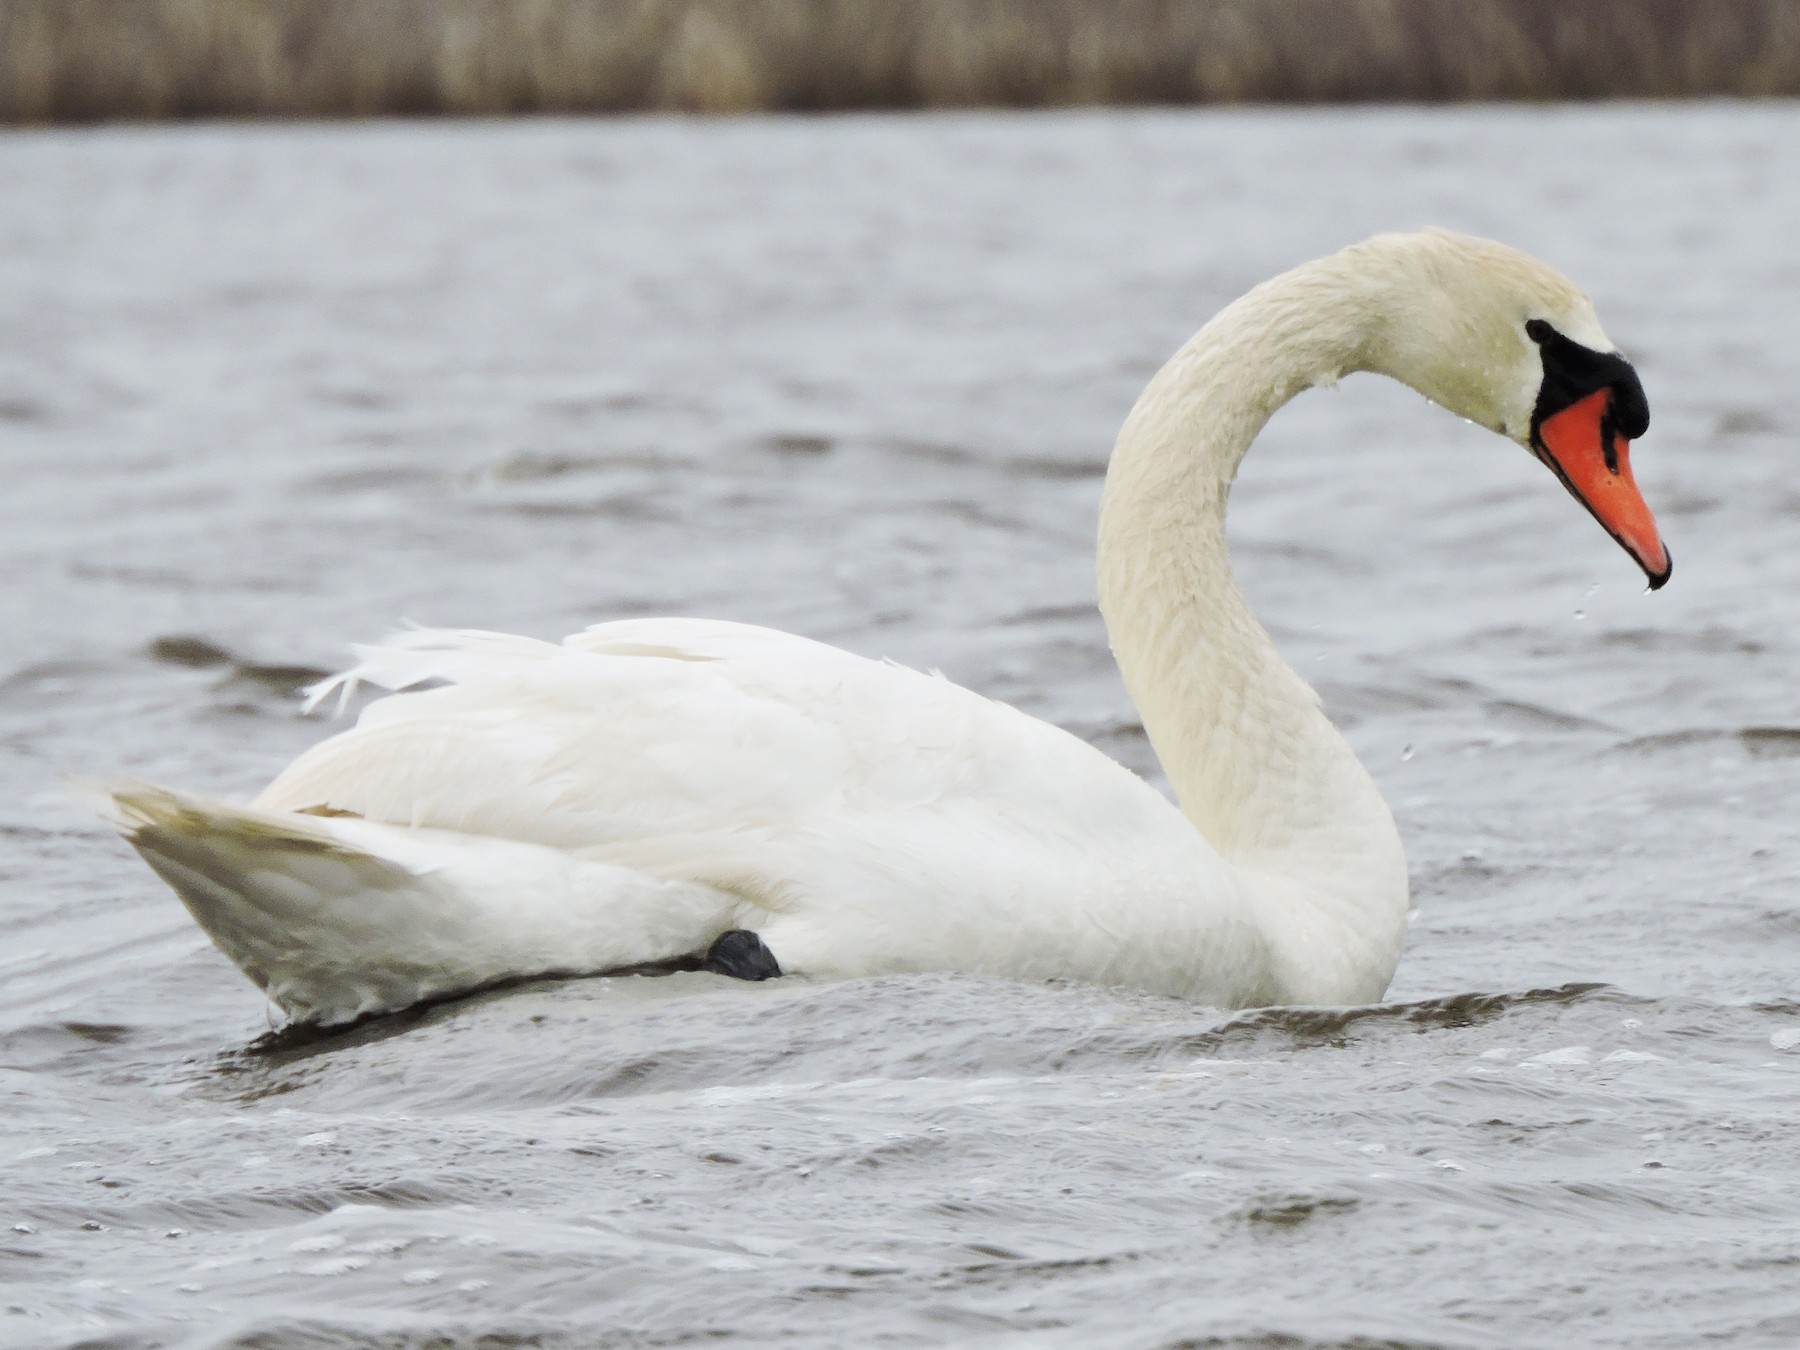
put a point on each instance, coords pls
(652, 790)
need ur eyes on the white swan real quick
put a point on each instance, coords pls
(652, 790)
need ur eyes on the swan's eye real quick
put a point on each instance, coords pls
(1538, 331)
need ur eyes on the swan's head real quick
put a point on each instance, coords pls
(1500, 338)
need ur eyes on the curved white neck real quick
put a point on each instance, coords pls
(1255, 764)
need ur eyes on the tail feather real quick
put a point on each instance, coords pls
(414, 656)
(336, 917)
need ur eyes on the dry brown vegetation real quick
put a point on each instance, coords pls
(70, 60)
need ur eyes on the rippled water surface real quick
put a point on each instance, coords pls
(266, 390)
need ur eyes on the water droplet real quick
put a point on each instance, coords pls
(1406, 752)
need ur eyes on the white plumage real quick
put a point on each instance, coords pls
(634, 792)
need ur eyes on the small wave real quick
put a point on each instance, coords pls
(637, 507)
(1771, 742)
(1290, 1211)
(1034, 615)
(1536, 717)
(520, 1332)
(184, 649)
(1054, 469)
(531, 466)
(933, 452)
(367, 478)
(190, 652)
(1703, 641)
(283, 680)
(1746, 422)
(1333, 1026)
(22, 410)
(347, 396)
(799, 444)
(46, 680)
(1763, 742)
(44, 1045)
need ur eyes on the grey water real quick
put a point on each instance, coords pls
(268, 390)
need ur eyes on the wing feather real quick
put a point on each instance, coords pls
(877, 811)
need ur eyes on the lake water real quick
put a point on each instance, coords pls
(266, 390)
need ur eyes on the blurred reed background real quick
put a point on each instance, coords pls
(82, 60)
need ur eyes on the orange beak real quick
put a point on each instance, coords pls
(1584, 449)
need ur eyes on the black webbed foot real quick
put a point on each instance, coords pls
(741, 955)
